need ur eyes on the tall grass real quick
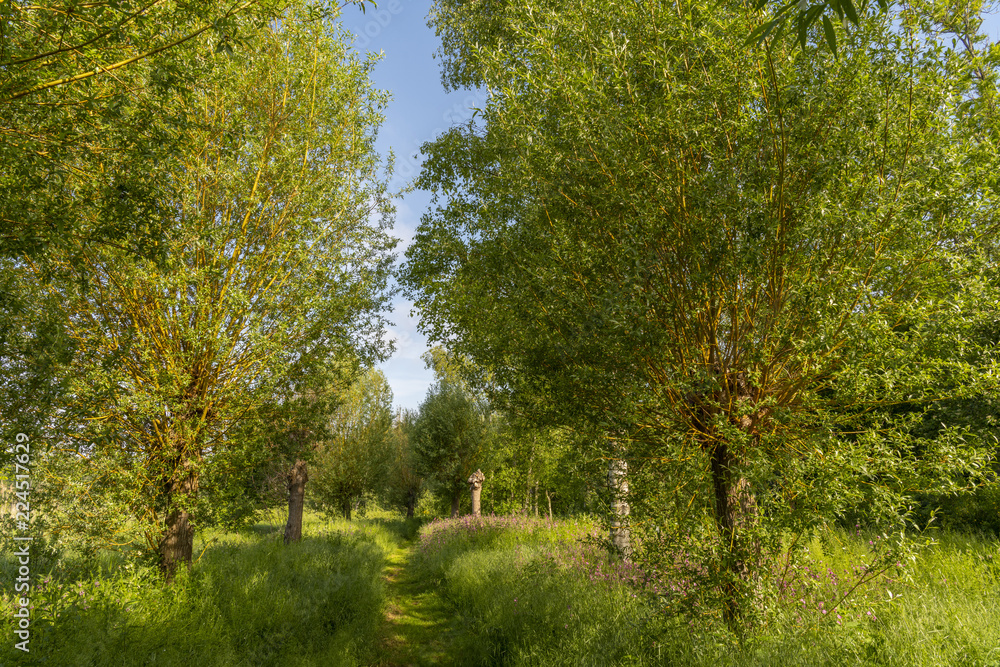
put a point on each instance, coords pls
(535, 593)
(524, 592)
(249, 600)
(948, 611)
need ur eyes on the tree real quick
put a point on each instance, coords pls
(802, 15)
(84, 85)
(276, 263)
(297, 425)
(404, 482)
(537, 469)
(90, 130)
(354, 459)
(448, 438)
(719, 254)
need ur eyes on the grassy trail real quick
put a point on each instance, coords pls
(415, 630)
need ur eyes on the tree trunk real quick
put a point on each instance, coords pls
(476, 494)
(527, 489)
(476, 489)
(411, 503)
(297, 478)
(455, 497)
(549, 498)
(177, 543)
(735, 514)
(621, 539)
(346, 507)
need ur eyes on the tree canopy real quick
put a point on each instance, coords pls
(274, 268)
(718, 253)
(356, 456)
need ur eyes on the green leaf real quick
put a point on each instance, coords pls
(831, 34)
(852, 14)
(761, 32)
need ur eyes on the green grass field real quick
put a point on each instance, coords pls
(249, 600)
(495, 591)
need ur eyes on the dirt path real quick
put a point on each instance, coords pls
(416, 626)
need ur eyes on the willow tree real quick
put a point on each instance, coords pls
(87, 129)
(355, 456)
(719, 253)
(403, 484)
(86, 86)
(276, 263)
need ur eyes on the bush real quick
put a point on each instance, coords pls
(975, 512)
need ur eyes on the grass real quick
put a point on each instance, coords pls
(494, 591)
(949, 611)
(417, 627)
(249, 600)
(529, 593)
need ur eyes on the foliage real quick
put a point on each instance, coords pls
(292, 427)
(357, 455)
(403, 482)
(69, 121)
(275, 268)
(530, 467)
(735, 261)
(86, 91)
(34, 351)
(90, 131)
(803, 15)
(448, 438)
(93, 120)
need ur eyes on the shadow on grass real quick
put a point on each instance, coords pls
(403, 529)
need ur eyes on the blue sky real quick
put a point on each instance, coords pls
(419, 111)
